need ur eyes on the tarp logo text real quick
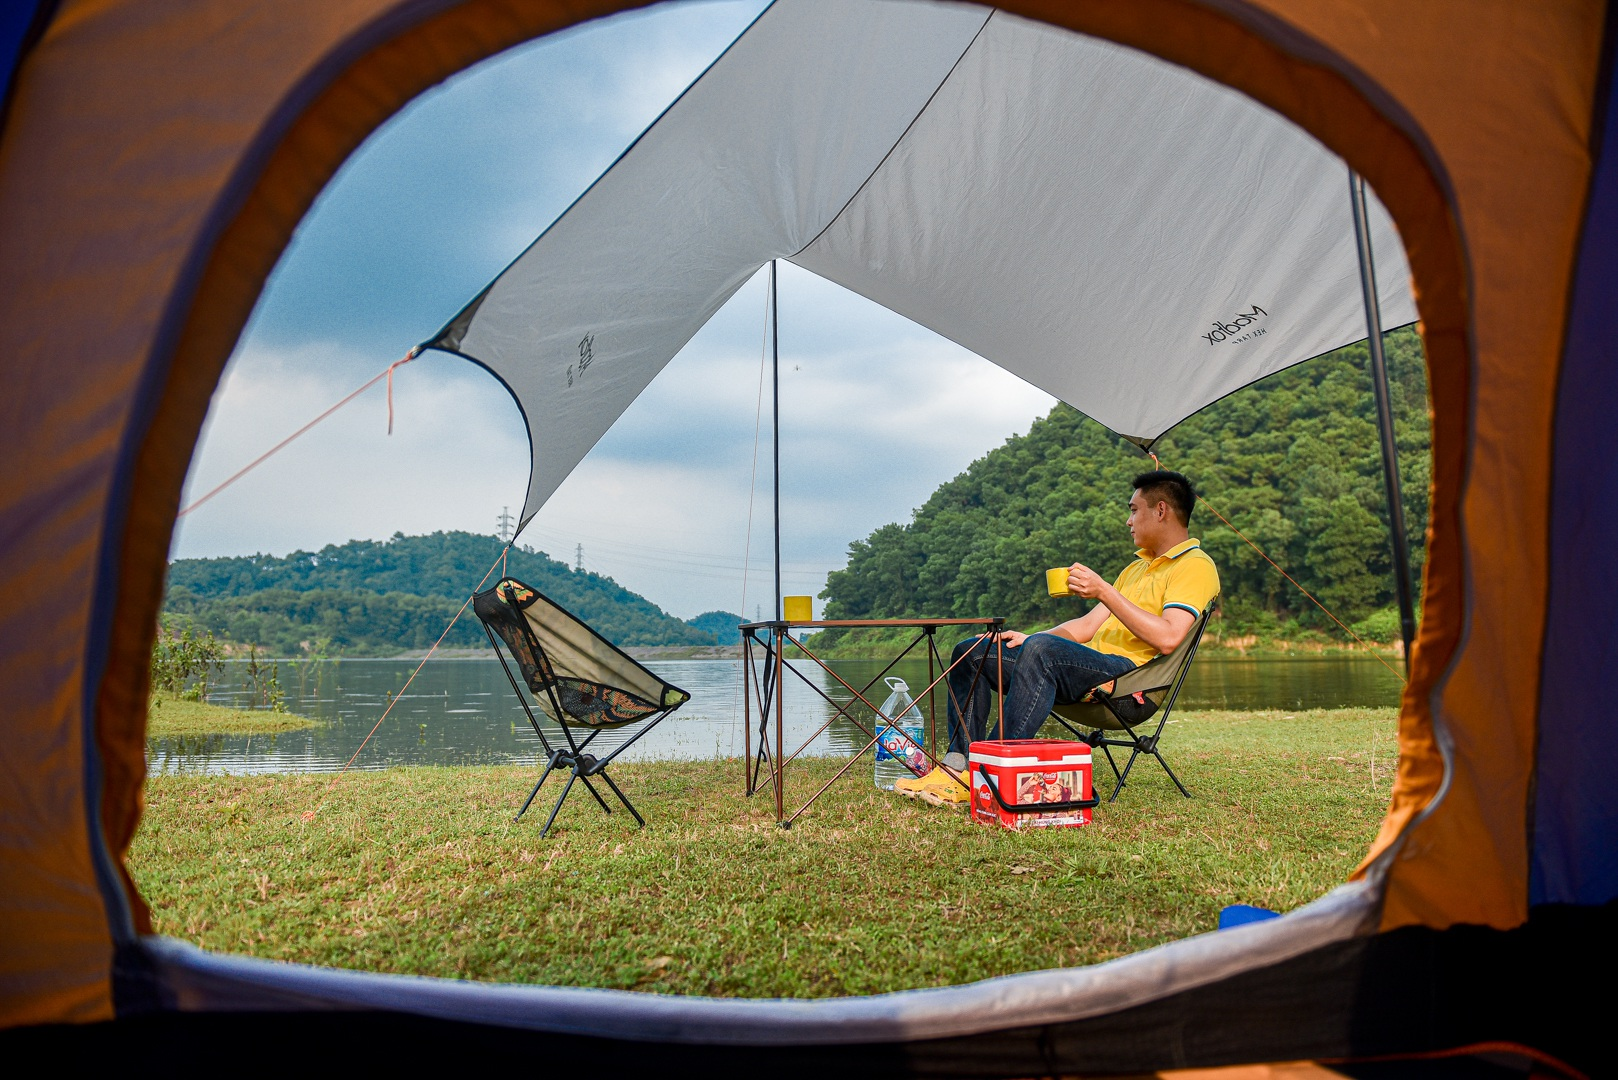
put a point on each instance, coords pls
(1225, 331)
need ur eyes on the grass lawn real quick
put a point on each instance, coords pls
(170, 715)
(422, 870)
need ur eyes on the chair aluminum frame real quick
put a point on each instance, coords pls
(1159, 679)
(575, 755)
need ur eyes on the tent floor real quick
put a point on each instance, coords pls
(248, 1044)
(1396, 995)
(177, 1045)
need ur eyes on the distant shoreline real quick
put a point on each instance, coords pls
(1268, 650)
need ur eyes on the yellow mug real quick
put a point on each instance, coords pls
(1056, 581)
(799, 608)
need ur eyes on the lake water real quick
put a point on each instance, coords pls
(463, 711)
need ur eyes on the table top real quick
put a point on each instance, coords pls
(914, 623)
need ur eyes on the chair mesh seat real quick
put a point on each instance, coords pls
(594, 705)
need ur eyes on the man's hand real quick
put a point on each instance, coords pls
(1011, 638)
(1085, 582)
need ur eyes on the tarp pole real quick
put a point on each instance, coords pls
(775, 354)
(1384, 413)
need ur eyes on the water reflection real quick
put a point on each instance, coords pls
(462, 712)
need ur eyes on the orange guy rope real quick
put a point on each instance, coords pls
(409, 356)
(256, 462)
(309, 815)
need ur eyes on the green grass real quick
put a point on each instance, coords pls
(422, 870)
(174, 716)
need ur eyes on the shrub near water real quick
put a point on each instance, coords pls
(422, 870)
(183, 659)
(183, 662)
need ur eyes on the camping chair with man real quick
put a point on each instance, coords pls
(1115, 718)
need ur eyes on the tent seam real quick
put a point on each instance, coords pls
(900, 140)
(477, 301)
(1286, 37)
(38, 23)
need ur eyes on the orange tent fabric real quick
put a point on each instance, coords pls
(143, 204)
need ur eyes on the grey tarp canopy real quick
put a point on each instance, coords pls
(1130, 237)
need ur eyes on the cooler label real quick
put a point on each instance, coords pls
(1058, 787)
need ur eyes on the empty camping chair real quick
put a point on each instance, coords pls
(578, 678)
(1113, 719)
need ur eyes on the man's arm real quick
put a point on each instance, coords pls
(1162, 632)
(1083, 628)
(1080, 630)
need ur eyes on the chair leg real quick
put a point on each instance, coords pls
(560, 799)
(550, 763)
(1123, 778)
(1170, 771)
(597, 794)
(1105, 749)
(623, 799)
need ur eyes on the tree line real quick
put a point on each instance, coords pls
(380, 597)
(1293, 461)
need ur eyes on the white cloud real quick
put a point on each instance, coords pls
(458, 451)
(867, 434)
(661, 504)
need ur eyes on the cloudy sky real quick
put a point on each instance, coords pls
(876, 410)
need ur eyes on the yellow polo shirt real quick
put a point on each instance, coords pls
(1182, 577)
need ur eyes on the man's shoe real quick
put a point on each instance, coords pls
(939, 787)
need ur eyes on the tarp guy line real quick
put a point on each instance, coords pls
(272, 451)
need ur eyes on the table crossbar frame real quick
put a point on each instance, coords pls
(763, 682)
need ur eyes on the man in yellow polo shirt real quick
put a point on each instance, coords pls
(1144, 613)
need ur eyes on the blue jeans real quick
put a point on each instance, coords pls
(1044, 669)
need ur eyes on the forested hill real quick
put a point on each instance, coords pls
(369, 597)
(1293, 461)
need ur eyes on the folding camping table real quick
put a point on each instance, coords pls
(765, 653)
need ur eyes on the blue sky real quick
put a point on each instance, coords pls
(877, 411)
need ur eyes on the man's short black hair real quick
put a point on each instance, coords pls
(1161, 485)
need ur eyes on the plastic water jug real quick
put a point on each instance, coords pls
(896, 756)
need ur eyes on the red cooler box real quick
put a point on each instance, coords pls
(1052, 774)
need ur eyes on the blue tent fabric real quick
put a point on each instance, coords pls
(21, 22)
(1242, 914)
(1575, 808)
